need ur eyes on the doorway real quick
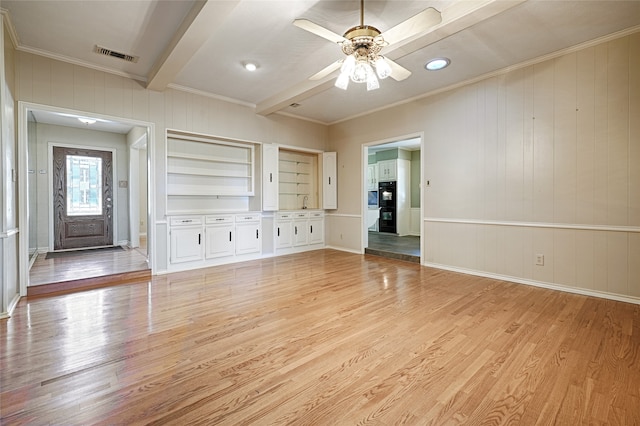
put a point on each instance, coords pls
(92, 197)
(392, 198)
(82, 198)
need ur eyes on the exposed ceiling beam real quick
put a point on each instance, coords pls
(456, 18)
(195, 30)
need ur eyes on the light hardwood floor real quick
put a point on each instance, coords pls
(86, 264)
(321, 338)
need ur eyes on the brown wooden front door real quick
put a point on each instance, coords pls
(82, 198)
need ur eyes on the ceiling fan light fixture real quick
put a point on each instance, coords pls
(436, 64)
(342, 82)
(382, 68)
(372, 81)
(361, 72)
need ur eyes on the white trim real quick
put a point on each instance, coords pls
(541, 284)
(8, 25)
(10, 307)
(74, 61)
(581, 227)
(9, 233)
(209, 95)
(355, 216)
(343, 249)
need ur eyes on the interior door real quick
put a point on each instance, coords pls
(82, 198)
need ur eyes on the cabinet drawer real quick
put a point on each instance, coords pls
(249, 217)
(186, 221)
(300, 215)
(316, 214)
(212, 220)
(285, 216)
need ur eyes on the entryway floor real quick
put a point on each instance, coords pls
(393, 246)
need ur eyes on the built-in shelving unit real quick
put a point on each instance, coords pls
(298, 180)
(201, 168)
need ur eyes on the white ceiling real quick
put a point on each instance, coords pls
(201, 45)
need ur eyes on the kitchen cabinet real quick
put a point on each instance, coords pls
(372, 177)
(387, 170)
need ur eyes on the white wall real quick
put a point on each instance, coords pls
(46, 134)
(540, 160)
(49, 82)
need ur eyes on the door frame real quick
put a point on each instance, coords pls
(114, 179)
(364, 195)
(23, 171)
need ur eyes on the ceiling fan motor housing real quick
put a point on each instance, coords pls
(364, 40)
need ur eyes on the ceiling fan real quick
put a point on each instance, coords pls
(362, 45)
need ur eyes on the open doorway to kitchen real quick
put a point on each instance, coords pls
(392, 198)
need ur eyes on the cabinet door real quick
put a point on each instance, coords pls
(269, 177)
(186, 244)
(372, 177)
(387, 170)
(219, 241)
(249, 238)
(329, 180)
(316, 230)
(300, 233)
(284, 234)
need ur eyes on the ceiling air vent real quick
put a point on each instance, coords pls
(108, 52)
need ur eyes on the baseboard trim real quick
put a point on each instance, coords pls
(343, 249)
(541, 284)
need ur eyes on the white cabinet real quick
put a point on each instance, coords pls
(387, 170)
(329, 180)
(372, 177)
(284, 230)
(219, 236)
(248, 233)
(186, 240)
(316, 228)
(300, 228)
(299, 231)
(199, 241)
(269, 177)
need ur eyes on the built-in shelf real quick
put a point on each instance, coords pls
(205, 167)
(298, 179)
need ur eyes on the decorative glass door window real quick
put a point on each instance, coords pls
(84, 185)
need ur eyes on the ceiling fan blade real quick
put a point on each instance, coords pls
(398, 72)
(327, 70)
(316, 29)
(412, 26)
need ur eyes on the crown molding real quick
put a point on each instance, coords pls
(8, 24)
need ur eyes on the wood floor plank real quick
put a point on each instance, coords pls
(320, 338)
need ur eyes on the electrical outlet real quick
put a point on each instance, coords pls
(540, 259)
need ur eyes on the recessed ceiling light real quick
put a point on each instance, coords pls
(86, 121)
(437, 64)
(250, 66)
